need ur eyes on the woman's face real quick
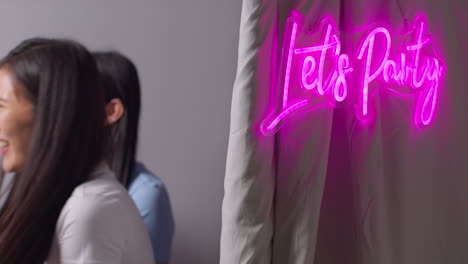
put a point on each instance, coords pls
(16, 122)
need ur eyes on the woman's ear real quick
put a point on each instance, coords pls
(114, 111)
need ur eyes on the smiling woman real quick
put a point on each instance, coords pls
(65, 205)
(16, 119)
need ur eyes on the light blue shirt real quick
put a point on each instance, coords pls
(152, 200)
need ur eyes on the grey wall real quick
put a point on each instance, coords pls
(186, 54)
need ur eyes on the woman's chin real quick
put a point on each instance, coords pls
(7, 166)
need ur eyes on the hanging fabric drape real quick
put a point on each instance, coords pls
(312, 179)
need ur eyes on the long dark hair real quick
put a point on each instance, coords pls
(68, 140)
(119, 78)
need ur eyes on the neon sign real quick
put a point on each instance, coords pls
(323, 70)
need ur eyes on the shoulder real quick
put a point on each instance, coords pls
(149, 193)
(94, 197)
(145, 180)
(100, 224)
(96, 204)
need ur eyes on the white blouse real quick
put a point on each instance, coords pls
(100, 224)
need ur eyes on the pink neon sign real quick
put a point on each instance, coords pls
(325, 69)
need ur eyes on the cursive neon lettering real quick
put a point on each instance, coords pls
(423, 73)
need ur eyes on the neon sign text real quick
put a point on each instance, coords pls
(303, 65)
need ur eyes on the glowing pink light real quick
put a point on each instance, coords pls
(369, 45)
(268, 126)
(390, 65)
(338, 46)
(425, 77)
(317, 48)
(288, 66)
(418, 46)
(400, 76)
(307, 71)
(322, 62)
(271, 123)
(343, 63)
(430, 100)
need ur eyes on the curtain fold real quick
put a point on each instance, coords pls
(327, 188)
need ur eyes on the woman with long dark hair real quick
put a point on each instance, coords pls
(65, 205)
(119, 77)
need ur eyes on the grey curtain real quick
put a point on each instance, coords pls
(328, 188)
